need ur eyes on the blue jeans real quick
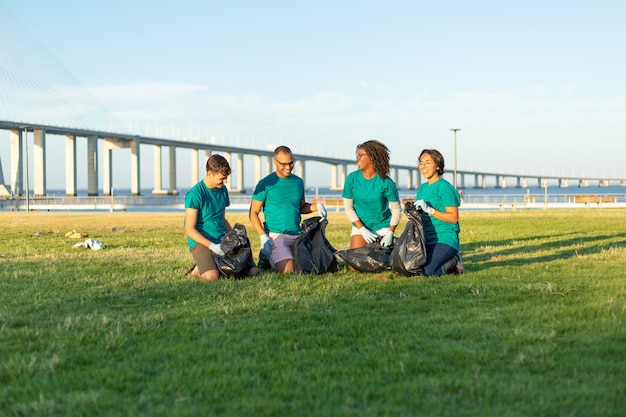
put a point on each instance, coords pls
(437, 255)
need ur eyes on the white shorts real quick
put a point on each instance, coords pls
(283, 246)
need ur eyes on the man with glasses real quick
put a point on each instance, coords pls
(281, 197)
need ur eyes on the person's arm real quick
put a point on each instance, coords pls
(191, 218)
(306, 208)
(255, 209)
(348, 206)
(451, 215)
(396, 214)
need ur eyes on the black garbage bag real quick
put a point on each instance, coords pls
(264, 260)
(409, 251)
(237, 260)
(369, 258)
(312, 253)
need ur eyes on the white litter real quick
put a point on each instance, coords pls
(93, 244)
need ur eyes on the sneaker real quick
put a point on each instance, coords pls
(459, 268)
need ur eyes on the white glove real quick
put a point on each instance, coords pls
(425, 207)
(321, 209)
(216, 248)
(266, 244)
(368, 235)
(387, 238)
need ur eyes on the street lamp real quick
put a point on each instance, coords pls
(454, 179)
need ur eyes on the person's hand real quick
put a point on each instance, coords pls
(266, 244)
(425, 207)
(321, 209)
(216, 248)
(387, 238)
(368, 235)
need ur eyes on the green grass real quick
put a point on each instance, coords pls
(536, 327)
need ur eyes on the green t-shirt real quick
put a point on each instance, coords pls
(211, 205)
(281, 199)
(439, 195)
(371, 198)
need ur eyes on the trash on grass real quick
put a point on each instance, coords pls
(93, 244)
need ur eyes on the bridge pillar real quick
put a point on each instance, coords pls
(563, 183)
(258, 168)
(39, 162)
(135, 165)
(583, 183)
(70, 165)
(525, 182)
(172, 156)
(17, 149)
(269, 169)
(334, 176)
(92, 165)
(107, 168)
(240, 173)
(302, 172)
(409, 179)
(3, 189)
(462, 182)
(476, 181)
(195, 168)
(158, 171)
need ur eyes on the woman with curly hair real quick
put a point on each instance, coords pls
(370, 197)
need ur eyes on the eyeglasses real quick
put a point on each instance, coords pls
(285, 164)
(360, 155)
(425, 163)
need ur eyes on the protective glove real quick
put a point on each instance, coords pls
(425, 207)
(266, 244)
(216, 248)
(321, 209)
(387, 238)
(368, 235)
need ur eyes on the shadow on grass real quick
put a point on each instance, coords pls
(536, 249)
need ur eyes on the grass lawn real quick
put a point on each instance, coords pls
(536, 327)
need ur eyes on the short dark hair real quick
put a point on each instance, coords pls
(217, 163)
(282, 149)
(437, 159)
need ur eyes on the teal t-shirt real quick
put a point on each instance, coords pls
(281, 199)
(439, 195)
(211, 205)
(371, 198)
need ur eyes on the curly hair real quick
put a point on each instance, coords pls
(378, 154)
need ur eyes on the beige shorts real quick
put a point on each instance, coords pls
(203, 257)
(283, 246)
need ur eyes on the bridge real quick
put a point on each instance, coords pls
(42, 99)
(200, 151)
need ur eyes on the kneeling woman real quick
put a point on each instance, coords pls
(440, 203)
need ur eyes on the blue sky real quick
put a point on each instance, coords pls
(536, 87)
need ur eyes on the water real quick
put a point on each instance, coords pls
(472, 197)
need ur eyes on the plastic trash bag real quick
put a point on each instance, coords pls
(237, 260)
(312, 253)
(369, 258)
(409, 251)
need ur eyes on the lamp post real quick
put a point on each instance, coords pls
(454, 179)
